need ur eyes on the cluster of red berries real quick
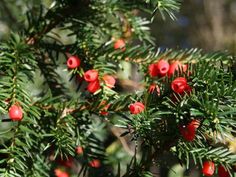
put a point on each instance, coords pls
(91, 76)
(163, 68)
(179, 86)
(208, 169)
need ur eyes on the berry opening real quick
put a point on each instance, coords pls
(163, 69)
(87, 77)
(70, 62)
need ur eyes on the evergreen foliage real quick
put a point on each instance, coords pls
(58, 119)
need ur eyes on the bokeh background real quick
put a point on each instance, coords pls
(206, 24)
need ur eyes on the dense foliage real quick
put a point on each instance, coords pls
(184, 103)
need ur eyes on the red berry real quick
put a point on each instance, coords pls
(73, 62)
(119, 44)
(222, 171)
(179, 85)
(208, 168)
(195, 123)
(15, 113)
(136, 108)
(152, 70)
(162, 67)
(91, 75)
(109, 81)
(104, 113)
(60, 173)
(174, 67)
(154, 88)
(93, 86)
(188, 132)
(79, 150)
(95, 163)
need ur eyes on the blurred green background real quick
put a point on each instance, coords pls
(206, 24)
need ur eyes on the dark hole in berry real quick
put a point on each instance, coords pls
(176, 87)
(70, 62)
(163, 69)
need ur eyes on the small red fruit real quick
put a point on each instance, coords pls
(195, 123)
(175, 67)
(91, 75)
(208, 168)
(136, 108)
(179, 85)
(60, 173)
(152, 70)
(162, 67)
(222, 171)
(73, 62)
(79, 150)
(93, 86)
(15, 113)
(95, 163)
(119, 44)
(109, 81)
(188, 132)
(104, 113)
(154, 89)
